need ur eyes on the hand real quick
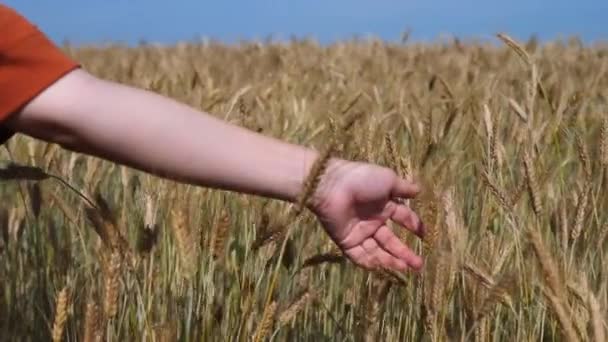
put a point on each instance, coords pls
(354, 201)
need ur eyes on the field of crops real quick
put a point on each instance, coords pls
(510, 141)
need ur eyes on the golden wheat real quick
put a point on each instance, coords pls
(111, 285)
(61, 314)
(431, 112)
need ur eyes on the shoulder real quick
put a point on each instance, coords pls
(29, 62)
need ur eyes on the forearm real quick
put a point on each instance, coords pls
(163, 137)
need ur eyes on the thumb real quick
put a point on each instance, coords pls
(405, 189)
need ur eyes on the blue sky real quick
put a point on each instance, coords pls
(129, 21)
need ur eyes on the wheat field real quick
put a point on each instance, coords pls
(510, 142)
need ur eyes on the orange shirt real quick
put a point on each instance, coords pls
(29, 63)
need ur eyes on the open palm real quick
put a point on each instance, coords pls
(354, 202)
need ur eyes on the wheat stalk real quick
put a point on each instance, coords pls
(557, 292)
(265, 325)
(533, 186)
(604, 142)
(111, 285)
(597, 321)
(521, 113)
(392, 154)
(310, 187)
(480, 275)
(564, 227)
(186, 244)
(91, 331)
(583, 154)
(104, 222)
(61, 314)
(499, 293)
(376, 306)
(297, 305)
(581, 208)
(519, 50)
(332, 257)
(500, 195)
(220, 235)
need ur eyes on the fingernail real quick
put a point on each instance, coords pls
(417, 264)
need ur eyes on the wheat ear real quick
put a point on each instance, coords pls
(266, 323)
(61, 315)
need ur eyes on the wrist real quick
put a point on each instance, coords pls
(323, 185)
(303, 161)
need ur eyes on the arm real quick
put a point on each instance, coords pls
(152, 133)
(158, 135)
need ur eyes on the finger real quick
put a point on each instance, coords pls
(404, 189)
(380, 258)
(359, 234)
(391, 243)
(360, 257)
(407, 218)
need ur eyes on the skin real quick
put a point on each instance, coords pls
(152, 133)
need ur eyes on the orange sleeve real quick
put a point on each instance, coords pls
(29, 63)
